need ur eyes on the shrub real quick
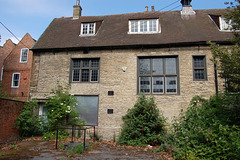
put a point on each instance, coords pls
(143, 124)
(60, 108)
(28, 122)
(209, 129)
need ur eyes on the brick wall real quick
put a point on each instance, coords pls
(9, 111)
(12, 65)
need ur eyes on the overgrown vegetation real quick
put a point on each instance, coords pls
(28, 122)
(228, 59)
(60, 111)
(143, 124)
(209, 129)
(61, 108)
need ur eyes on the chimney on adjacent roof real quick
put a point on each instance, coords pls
(146, 9)
(187, 8)
(153, 9)
(77, 10)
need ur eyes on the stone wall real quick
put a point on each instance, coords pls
(52, 67)
(9, 111)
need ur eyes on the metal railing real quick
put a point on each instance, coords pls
(76, 127)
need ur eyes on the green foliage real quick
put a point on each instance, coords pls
(228, 60)
(62, 135)
(79, 148)
(143, 124)
(228, 63)
(12, 146)
(209, 129)
(234, 18)
(61, 108)
(28, 122)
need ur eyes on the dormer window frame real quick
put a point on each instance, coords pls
(144, 26)
(224, 26)
(88, 29)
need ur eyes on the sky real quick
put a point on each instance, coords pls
(34, 16)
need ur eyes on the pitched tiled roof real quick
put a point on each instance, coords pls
(113, 30)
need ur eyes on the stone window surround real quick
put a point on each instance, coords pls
(163, 75)
(204, 68)
(90, 68)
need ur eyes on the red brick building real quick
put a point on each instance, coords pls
(4, 52)
(17, 69)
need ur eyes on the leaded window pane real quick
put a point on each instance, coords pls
(94, 76)
(85, 29)
(198, 62)
(199, 73)
(157, 84)
(85, 75)
(76, 63)
(171, 84)
(145, 84)
(76, 75)
(170, 66)
(144, 66)
(91, 28)
(85, 63)
(157, 66)
(95, 63)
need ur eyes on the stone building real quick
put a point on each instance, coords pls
(109, 60)
(17, 69)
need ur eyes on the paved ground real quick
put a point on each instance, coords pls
(38, 150)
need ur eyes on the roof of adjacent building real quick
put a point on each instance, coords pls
(64, 33)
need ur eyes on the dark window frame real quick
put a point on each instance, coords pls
(204, 68)
(164, 75)
(80, 68)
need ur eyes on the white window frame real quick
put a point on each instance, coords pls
(21, 55)
(2, 72)
(224, 26)
(88, 29)
(13, 80)
(141, 25)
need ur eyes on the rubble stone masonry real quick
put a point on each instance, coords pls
(49, 67)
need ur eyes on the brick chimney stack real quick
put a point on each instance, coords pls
(77, 10)
(146, 9)
(153, 9)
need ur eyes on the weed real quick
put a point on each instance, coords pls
(12, 146)
(79, 148)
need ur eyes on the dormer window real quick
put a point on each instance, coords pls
(224, 26)
(221, 23)
(88, 29)
(144, 26)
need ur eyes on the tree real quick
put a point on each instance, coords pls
(228, 60)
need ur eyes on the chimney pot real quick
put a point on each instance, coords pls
(153, 8)
(146, 9)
